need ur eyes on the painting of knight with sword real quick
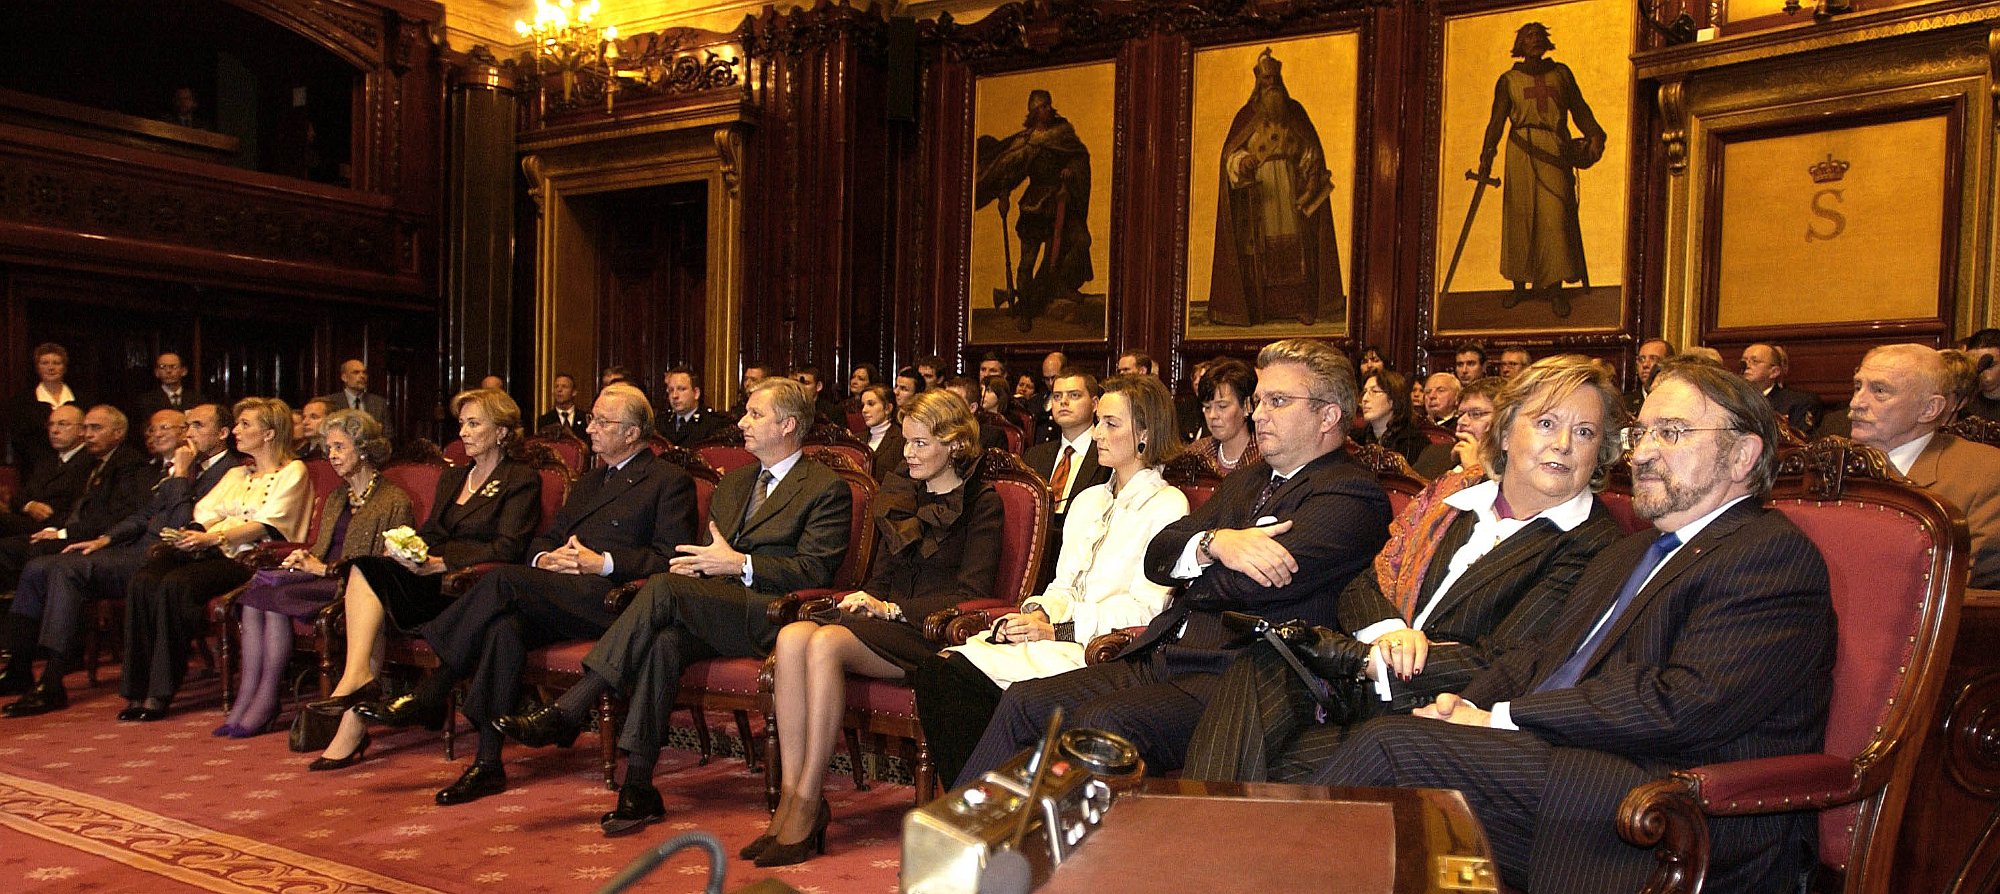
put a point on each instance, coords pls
(1050, 216)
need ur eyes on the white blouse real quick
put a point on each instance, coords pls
(1100, 583)
(280, 499)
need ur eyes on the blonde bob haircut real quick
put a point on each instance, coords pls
(499, 407)
(1545, 383)
(948, 417)
(273, 414)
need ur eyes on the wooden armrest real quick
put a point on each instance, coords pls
(1663, 816)
(791, 606)
(458, 583)
(936, 623)
(967, 625)
(269, 553)
(222, 607)
(1773, 784)
(623, 594)
(1106, 646)
(331, 617)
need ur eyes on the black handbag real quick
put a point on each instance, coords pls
(313, 731)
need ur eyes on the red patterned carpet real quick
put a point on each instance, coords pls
(89, 804)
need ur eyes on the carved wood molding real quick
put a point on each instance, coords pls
(1674, 124)
(656, 67)
(1040, 27)
(801, 30)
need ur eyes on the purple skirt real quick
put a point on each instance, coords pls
(292, 593)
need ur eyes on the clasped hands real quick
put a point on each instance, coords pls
(572, 558)
(1023, 627)
(717, 559)
(860, 603)
(304, 560)
(1255, 553)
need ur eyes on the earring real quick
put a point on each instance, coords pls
(1142, 446)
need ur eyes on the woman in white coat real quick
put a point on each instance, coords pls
(1100, 583)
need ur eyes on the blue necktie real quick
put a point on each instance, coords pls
(1566, 676)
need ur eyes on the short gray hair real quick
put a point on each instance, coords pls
(789, 400)
(361, 428)
(632, 404)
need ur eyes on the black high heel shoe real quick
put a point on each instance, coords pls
(341, 763)
(776, 854)
(338, 705)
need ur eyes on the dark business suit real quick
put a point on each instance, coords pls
(26, 421)
(796, 541)
(1800, 408)
(1156, 691)
(579, 421)
(1259, 725)
(700, 425)
(57, 588)
(1084, 473)
(1725, 655)
(52, 480)
(636, 515)
(115, 486)
(142, 406)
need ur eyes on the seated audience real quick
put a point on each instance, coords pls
(165, 602)
(1441, 393)
(113, 485)
(1652, 352)
(1386, 416)
(26, 416)
(1224, 392)
(1068, 459)
(1278, 539)
(885, 436)
(48, 610)
(1479, 563)
(484, 512)
(933, 370)
(1725, 654)
(935, 525)
(1469, 363)
(969, 391)
(351, 523)
(1512, 361)
(991, 367)
(995, 397)
(1100, 580)
(826, 409)
(858, 381)
(173, 392)
(1475, 416)
(1133, 363)
(908, 383)
(779, 526)
(1370, 362)
(563, 409)
(1984, 349)
(1187, 403)
(618, 525)
(307, 442)
(1900, 401)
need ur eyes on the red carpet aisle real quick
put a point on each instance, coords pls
(89, 804)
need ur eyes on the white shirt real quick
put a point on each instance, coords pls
(54, 400)
(1503, 716)
(1487, 534)
(1905, 456)
(778, 472)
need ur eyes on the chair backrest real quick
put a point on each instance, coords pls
(455, 454)
(853, 570)
(705, 477)
(1024, 498)
(1025, 421)
(1897, 557)
(1976, 429)
(1437, 434)
(833, 437)
(856, 424)
(724, 450)
(1195, 475)
(1015, 440)
(420, 481)
(1392, 470)
(574, 453)
(324, 479)
(418, 450)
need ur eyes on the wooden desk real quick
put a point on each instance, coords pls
(1181, 835)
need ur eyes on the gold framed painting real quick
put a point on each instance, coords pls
(1533, 158)
(1859, 212)
(1270, 180)
(1039, 263)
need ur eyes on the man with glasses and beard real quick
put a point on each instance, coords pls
(1708, 639)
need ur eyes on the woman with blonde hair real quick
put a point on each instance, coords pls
(484, 511)
(351, 523)
(265, 500)
(1100, 581)
(936, 523)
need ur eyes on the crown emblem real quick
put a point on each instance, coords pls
(1828, 170)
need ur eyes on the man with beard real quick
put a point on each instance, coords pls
(1541, 243)
(1275, 258)
(1709, 639)
(1054, 260)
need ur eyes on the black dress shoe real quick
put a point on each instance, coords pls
(16, 683)
(39, 700)
(478, 781)
(540, 728)
(639, 806)
(403, 711)
(148, 715)
(130, 714)
(338, 705)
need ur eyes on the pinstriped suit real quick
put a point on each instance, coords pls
(1156, 692)
(1258, 727)
(1726, 654)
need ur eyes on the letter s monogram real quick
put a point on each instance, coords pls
(1820, 210)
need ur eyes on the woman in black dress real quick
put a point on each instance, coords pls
(1386, 415)
(484, 511)
(936, 528)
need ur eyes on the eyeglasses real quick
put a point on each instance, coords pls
(595, 422)
(1670, 435)
(1281, 401)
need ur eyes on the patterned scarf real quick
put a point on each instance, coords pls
(1414, 536)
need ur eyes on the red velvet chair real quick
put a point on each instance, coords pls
(1898, 559)
(887, 709)
(454, 453)
(1016, 441)
(1195, 475)
(724, 451)
(574, 453)
(827, 437)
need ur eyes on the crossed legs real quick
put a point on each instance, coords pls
(809, 690)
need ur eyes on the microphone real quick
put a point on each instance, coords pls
(1007, 870)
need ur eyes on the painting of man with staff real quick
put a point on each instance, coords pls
(1051, 215)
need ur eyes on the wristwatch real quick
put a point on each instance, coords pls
(1202, 550)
